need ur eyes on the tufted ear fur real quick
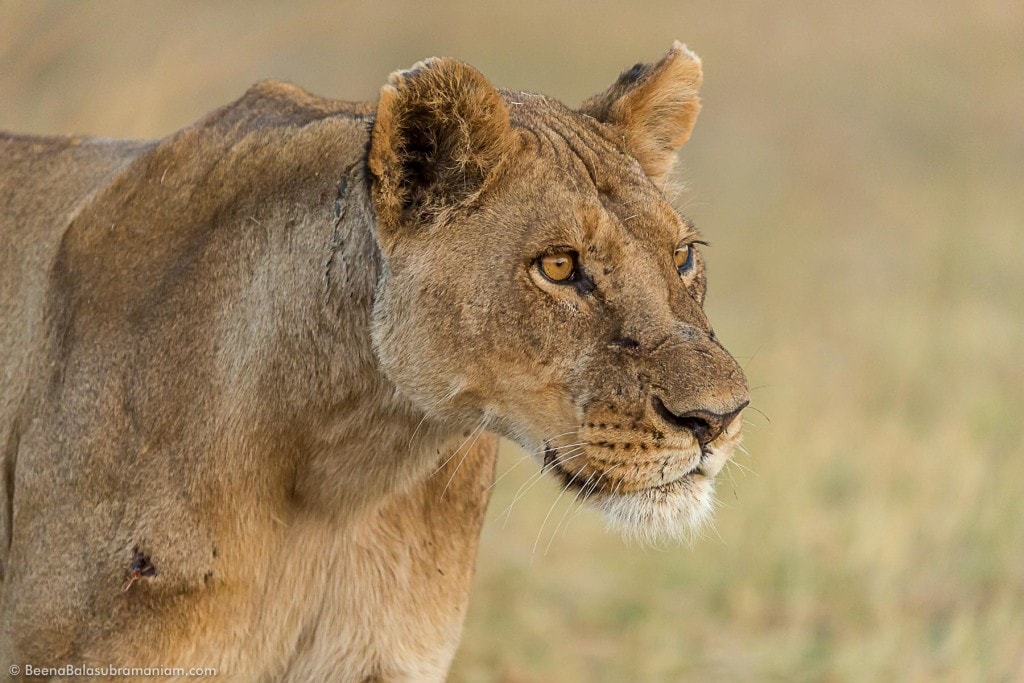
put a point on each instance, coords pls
(655, 106)
(441, 129)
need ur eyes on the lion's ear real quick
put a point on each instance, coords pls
(440, 130)
(655, 106)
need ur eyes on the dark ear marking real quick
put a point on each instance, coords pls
(634, 74)
(440, 131)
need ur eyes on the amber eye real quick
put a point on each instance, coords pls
(559, 267)
(683, 257)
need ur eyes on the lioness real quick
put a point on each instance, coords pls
(252, 372)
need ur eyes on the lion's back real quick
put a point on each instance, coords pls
(42, 183)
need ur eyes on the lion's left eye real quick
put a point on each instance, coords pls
(683, 258)
(559, 268)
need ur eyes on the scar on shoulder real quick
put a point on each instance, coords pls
(140, 567)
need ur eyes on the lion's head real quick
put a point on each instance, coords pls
(539, 283)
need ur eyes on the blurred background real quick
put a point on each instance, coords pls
(859, 171)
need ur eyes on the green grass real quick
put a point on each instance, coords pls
(858, 169)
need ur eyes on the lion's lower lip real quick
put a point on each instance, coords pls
(572, 480)
(678, 480)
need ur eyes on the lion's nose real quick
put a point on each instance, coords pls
(704, 424)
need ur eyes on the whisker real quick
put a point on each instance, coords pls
(552, 438)
(582, 499)
(743, 468)
(591, 488)
(752, 357)
(578, 501)
(456, 452)
(761, 412)
(569, 445)
(547, 445)
(526, 485)
(433, 409)
(419, 424)
(711, 520)
(520, 492)
(504, 474)
(731, 477)
(464, 456)
(536, 542)
(519, 461)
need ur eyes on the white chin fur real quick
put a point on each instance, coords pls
(655, 516)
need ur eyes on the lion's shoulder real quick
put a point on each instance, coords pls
(273, 103)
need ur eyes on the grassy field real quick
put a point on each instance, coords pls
(859, 171)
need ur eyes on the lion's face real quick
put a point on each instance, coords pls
(539, 284)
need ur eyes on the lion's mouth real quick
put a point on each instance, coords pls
(664, 493)
(597, 482)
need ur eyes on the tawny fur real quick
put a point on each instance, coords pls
(269, 354)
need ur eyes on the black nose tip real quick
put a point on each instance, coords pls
(705, 425)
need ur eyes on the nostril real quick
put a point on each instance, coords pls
(705, 425)
(700, 427)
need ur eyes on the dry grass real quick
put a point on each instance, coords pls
(858, 168)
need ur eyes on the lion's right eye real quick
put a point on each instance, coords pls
(559, 268)
(683, 257)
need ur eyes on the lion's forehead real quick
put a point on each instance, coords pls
(584, 149)
(612, 228)
(589, 183)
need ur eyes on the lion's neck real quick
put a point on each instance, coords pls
(356, 436)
